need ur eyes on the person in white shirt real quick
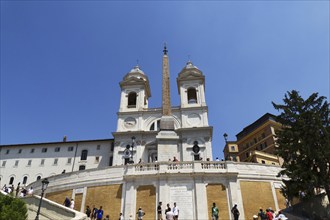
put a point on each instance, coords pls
(169, 214)
(176, 212)
(72, 204)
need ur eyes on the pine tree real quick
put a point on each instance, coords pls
(304, 143)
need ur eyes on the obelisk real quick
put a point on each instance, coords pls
(167, 139)
(166, 122)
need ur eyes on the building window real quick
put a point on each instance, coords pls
(263, 162)
(155, 126)
(255, 140)
(29, 162)
(11, 180)
(132, 100)
(98, 147)
(20, 151)
(110, 161)
(57, 149)
(32, 151)
(69, 161)
(44, 150)
(232, 148)
(4, 163)
(97, 159)
(82, 167)
(25, 179)
(263, 135)
(247, 154)
(192, 96)
(7, 151)
(265, 144)
(42, 162)
(55, 161)
(38, 178)
(112, 146)
(84, 155)
(16, 163)
(70, 148)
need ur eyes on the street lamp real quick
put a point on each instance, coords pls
(132, 146)
(44, 185)
(225, 135)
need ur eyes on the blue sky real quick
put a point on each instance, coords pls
(62, 61)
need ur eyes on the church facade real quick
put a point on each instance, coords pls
(163, 155)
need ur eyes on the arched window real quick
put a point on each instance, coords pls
(11, 180)
(192, 95)
(82, 167)
(25, 179)
(132, 100)
(84, 155)
(155, 126)
(38, 178)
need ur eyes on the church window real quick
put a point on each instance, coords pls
(42, 162)
(29, 162)
(7, 151)
(20, 151)
(11, 181)
(98, 147)
(44, 150)
(82, 167)
(32, 151)
(38, 178)
(55, 161)
(84, 155)
(155, 126)
(70, 148)
(4, 163)
(57, 149)
(25, 179)
(192, 96)
(16, 163)
(132, 100)
(69, 161)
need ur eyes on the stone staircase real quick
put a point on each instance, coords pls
(50, 210)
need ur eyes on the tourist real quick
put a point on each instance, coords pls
(88, 212)
(235, 212)
(121, 217)
(280, 216)
(176, 212)
(107, 217)
(169, 215)
(159, 211)
(262, 214)
(269, 214)
(215, 212)
(30, 191)
(66, 202)
(175, 160)
(140, 213)
(72, 204)
(94, 213)
(167, 208)
(99, 213)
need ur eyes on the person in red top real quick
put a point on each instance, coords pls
(269, 214)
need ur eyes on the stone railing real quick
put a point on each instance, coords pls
(173, 167)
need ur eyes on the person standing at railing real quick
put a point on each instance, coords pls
(176, 212)
(175, 161)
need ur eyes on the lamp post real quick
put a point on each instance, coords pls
(225, 135)
(44, 185)
(132, 146)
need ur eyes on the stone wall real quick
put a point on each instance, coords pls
(217, 193)
(256, 194)
(146, 199)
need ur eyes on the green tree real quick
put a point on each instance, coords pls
(304, 143)
(12, 208)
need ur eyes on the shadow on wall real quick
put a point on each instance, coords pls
(315, 208)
